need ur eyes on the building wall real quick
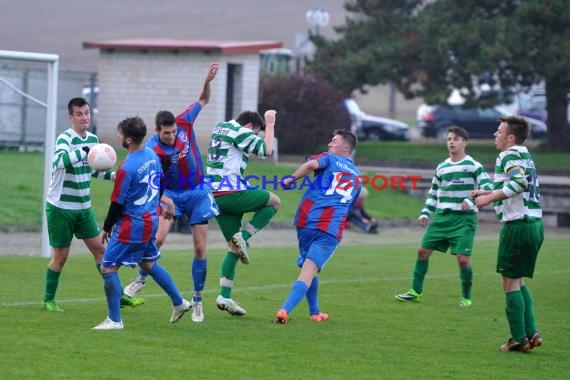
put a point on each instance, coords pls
(142, 83)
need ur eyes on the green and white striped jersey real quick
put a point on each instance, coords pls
(70, 186)
(453, 183)
(228, 155)
(515, 176)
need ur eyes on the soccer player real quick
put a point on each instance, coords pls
(176, 145)
(321, 218)
(516, 197)
(358, 215)
(230, 146)
(132, 222)
(68, 206)
(455, 221)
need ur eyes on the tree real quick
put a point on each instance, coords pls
(308, 111)
(429, 47)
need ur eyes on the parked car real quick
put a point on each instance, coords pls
(531, 104)
(480, 123)
(368, 127)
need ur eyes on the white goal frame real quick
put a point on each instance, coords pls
(52, 61)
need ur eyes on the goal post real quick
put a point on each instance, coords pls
(52, 61)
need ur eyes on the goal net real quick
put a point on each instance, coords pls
(50, 105)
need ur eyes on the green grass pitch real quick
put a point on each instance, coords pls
(369, 334)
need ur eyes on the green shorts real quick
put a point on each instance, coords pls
(519, 243)
(63, 224)
(234, 205)
(455, 230)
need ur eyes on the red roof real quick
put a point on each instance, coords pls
(208, 46)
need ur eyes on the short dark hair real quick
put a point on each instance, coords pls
(252, 117)
(459, 132)
(348, 137)
(133, 127)
(76, 102)
(165, 118)
(518, 126)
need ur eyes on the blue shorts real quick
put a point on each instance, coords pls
(130, 254)
(198, 205)
(319, 246)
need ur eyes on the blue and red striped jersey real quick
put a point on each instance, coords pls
(137, 188)
(329, 195)
(182, 163)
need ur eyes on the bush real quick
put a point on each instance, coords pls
(308, 110)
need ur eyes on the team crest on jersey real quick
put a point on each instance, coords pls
(183, 137)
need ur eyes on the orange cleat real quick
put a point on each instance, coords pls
(281, 316)
(321, 317)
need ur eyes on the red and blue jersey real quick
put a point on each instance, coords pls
(329, 196)
(182, 164)
(137, 188)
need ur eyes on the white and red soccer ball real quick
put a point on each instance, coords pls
(102, 157)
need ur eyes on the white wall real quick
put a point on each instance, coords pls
(136, 83)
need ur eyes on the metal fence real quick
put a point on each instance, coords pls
(23, 89)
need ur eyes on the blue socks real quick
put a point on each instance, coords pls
(143, 272)
(199, 271)
(113, 291)
(298, 291)
(313, 297)
(164, 280)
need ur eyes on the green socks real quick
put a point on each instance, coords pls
(259, 220)
(466, 276)
(420, 271)
(228, 269)
(421, 268)
(52, 280)
(529, 318)
(516, 315)
(228, 274)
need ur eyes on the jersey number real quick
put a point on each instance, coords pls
(215, 149)
(151, 187)
(344, 190)
(533, 194)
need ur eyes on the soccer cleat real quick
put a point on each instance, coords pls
(512, 345)
(180, 310)
(410, 295)
(321, 317)
(230, 306)
(241, 246)
(465, 302)
(282, 317)
(51, 306)
(131, 301)
(197, 311)
(133, 288)
(108, 324)
(535, 340)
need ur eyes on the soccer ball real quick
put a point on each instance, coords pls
(102, 157)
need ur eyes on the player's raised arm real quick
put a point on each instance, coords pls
(269, 136)
(204, 97)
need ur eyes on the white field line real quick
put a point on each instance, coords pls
(279, 286)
